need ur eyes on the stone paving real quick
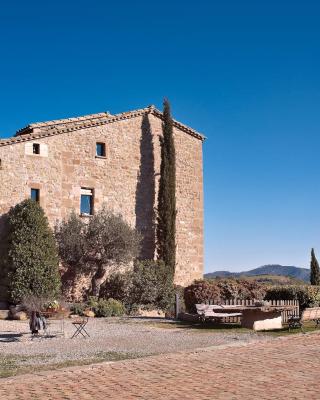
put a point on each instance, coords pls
(285, 368)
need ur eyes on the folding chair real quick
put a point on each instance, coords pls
(80, 325)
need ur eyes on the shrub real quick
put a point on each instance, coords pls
(4, 267)
(250, 289)
(216, 290)
(308, 295)
(151, 286)
(92, 302)
(109, 308)
(117, 287)
(78, 308)
(147, 286)
(32, 253)
(201, 291)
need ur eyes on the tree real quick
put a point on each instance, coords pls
(314, 270)
(166, 218)
(32, 253)
(106, 240)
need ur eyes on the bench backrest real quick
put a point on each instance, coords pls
(311, 314)
(204, 308)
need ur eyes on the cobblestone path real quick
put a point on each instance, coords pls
(285, 368)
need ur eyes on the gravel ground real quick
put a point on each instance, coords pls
(127, 337)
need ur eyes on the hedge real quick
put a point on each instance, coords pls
(215, 290)
(209, 290)
(308, 295)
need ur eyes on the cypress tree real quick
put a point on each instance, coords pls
(166, 218)
(314, 270)
(32, 253)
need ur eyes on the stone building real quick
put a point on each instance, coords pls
(81, 163)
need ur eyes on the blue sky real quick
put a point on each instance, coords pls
(245, 73)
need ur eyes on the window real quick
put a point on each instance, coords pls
(36, 148)
(86, 203)
(35, 194)
(100, 149)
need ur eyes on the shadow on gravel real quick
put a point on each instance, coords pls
(10, 337)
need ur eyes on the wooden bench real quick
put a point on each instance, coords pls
(205, 311)
(308, 314)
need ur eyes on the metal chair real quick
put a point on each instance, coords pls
(80, 325)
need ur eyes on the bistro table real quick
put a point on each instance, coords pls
(53, 320)
(258, 318)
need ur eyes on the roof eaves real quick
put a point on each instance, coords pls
(39, 130)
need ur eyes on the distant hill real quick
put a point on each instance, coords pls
(302, 274)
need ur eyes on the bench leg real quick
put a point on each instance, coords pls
(202, 319)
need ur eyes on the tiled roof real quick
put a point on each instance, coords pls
(59, 126)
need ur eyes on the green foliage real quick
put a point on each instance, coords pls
(147, 286)
(151, 285)
(4, 267)
(116, 286)
(32, 254)
(109, 308)
(314, 270)
(92, 302)
(308, 295)
(166, 218)
(78, 308)
(71, 239)
(101, 307)
(208, 290)
(107, 239)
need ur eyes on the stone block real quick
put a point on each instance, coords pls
(4, 314)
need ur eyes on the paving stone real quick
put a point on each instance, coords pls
(286, 368)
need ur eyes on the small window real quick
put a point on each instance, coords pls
(86, 203)
(36, 148)
(35, 194)
(100, 149)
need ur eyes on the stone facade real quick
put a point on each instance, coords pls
(126, 179)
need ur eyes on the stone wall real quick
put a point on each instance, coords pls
(126, 180)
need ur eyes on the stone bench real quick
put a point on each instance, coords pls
(205, 311)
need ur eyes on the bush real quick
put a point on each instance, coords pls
(117, 287)
(109, 308)
(308, 295)
(78, 308)
(147, 286)
(201, 291)
(32, 254)
(151, 286)
(216, 290)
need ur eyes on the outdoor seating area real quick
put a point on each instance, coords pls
(309, 314)
(214, 312)
(259, 316)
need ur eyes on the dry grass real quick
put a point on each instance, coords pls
(12, 365)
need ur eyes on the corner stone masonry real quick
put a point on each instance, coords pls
(125, 179)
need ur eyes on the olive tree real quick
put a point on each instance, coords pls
(98, 244)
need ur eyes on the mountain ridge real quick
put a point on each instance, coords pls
(270, 269)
